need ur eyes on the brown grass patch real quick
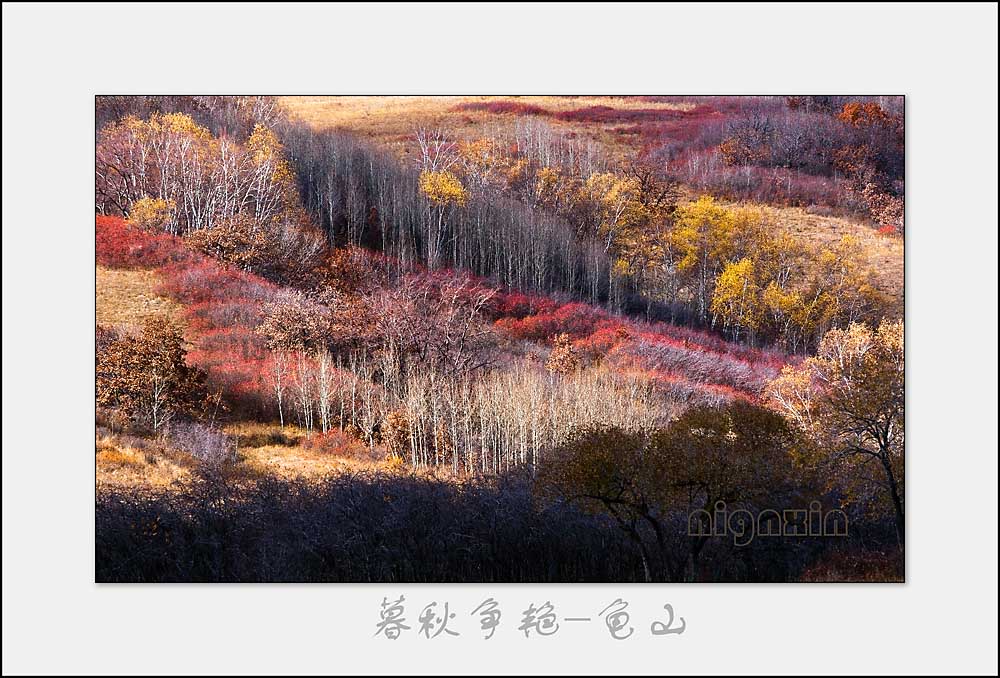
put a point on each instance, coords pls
(291, 452)
(392, 120)
(884, 254)
(251, 434)
(264, 450)
(126, 462)
(127, 298)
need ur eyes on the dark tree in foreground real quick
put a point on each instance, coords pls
(649, 485)
(382, 527)
(850, 400)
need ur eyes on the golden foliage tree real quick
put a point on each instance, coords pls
(702, 242)
(153, 214)
(850, 399)
(443, 191)
(442, 188)
(201, 179)
(736, 300)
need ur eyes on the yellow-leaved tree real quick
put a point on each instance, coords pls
(443, 191)
(153, 214)
(273, 180)
(849, 399)
(702, 242)
(631, 222)
(737, 298)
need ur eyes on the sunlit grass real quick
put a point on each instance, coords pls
(127, 298)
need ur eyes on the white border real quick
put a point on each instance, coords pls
(55, 58)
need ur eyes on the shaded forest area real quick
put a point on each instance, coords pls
(392, 528)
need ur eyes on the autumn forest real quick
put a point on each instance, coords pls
(498, 339)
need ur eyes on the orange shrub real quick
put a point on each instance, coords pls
(337, 443)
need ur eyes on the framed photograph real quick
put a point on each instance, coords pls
(499, 338)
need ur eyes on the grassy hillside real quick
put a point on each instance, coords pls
(619, 126)
(128, 298)
(393, 120)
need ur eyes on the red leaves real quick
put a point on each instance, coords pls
(670, 360)
(114, 242)
(597, 345)
(205, 280)
(120, 245)
(707, 171)
(607, 114)
(223, 306)
(502, 107)
(517, 305)
(593, 114)
(575, 319)
(686, 364)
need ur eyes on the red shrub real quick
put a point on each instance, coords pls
(222, 310)
(678, 388)
(575, 319)
(517, 305)
(336, 443)
(607, 114)
(120, 245)
(206, 280)
(114, 242)
(502, 107)
(206, 315)
(610, 333)
(664, 356)
(707, 171)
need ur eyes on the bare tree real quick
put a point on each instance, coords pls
(438, 153)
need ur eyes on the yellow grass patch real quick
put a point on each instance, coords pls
(119, 464)
(296, 462)
(884, 253)
(264, 450)
(392, 120)
(127, 298)
(268, 449)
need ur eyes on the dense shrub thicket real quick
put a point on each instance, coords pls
(393, 528)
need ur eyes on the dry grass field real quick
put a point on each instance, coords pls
(392, 120)
(127, 298)
(124, 461)
(290, 452)
(263, 450)
(884, 252)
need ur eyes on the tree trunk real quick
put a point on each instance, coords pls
(897, 501)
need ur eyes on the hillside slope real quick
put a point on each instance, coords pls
(619, 127)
